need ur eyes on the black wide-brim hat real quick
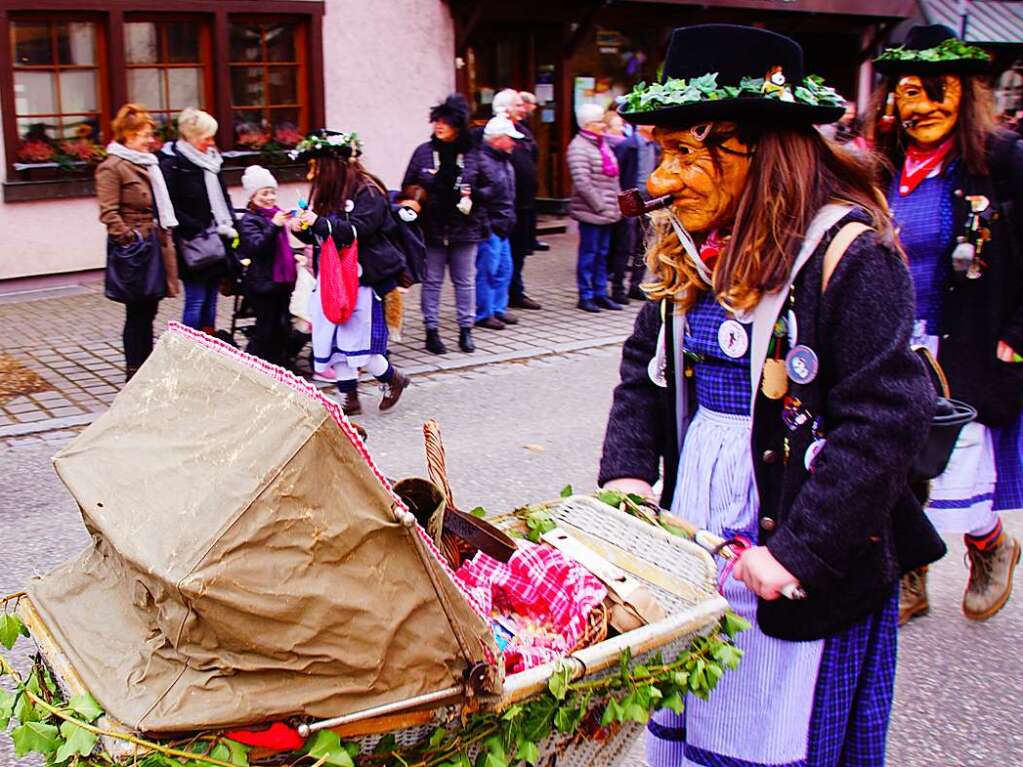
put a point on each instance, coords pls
(933, 49)
(739, 60)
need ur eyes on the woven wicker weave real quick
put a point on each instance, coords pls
(693, 606)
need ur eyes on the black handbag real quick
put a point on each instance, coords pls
(950, 416)
(204, 250)
(135, 271)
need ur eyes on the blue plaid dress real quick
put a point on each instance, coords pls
(964, 500)
(790, 704)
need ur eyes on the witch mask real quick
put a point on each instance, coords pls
(929, 111)
(704, 168)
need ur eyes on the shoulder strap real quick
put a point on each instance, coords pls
(841, 242)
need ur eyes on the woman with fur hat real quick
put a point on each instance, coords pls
(772, 375)
(446, 169)
(271, 273)
(347, 203)
(955, 189)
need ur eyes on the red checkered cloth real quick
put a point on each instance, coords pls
(542, 584)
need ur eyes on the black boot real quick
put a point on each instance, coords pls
(465, 342)
(129, 372)
(433, 343)
(350, 403)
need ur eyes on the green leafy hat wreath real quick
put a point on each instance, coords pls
(328, 143)
(930, 50)
(729, 72)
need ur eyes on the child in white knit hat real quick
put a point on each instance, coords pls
(271, 273)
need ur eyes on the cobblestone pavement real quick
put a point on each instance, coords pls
(61, 357)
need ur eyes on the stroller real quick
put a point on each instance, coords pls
(243, 316)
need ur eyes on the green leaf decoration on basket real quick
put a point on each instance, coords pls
(947, 50)
(86, 707)
(326, 746)
(11, 628)
(677, 91)
(35, 737)
(77, 742)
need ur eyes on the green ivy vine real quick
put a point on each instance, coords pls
(38, 719)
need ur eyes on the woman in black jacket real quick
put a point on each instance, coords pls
(447, 169)
(350, 205)
(775, 381)
(955, 193)
(270, 275)
(191, 165)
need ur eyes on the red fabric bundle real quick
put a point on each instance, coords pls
(339, 280)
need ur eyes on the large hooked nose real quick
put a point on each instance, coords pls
(665, 179)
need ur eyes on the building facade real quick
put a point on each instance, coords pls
(267, 72)
(270, 73)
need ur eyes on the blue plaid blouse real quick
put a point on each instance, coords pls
(925, 219)
(722, 383)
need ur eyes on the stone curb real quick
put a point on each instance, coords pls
(442, 366)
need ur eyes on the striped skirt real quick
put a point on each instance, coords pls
(790, 704)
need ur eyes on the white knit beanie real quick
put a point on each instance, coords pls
(588, 113)
(257, 177)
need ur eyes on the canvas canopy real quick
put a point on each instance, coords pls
(246, 561)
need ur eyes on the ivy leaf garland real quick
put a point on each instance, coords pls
(947, 50)
(677, 91)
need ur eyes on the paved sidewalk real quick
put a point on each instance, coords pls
(61, 358)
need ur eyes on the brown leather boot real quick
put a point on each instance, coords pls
(350, 403)
(393, 389)
(913, 595)
(990, 584)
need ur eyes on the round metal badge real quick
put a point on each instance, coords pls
(733, 339)
(802, 364)
(812, 452)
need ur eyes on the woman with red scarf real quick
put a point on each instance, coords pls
(956, 180)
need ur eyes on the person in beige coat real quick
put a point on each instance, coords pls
(594, 170)
(132, 200)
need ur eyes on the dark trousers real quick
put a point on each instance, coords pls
(626, 257)
(138, 332)
(269, 339)
(522, 238)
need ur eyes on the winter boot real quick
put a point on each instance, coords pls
(913, 596)
(990, 582)
(392, 390)
(465, 342)
(433, 343)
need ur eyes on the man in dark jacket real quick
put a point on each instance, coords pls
(638, 156)
(494, 258)
(525, 159)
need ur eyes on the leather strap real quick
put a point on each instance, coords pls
(843, 239)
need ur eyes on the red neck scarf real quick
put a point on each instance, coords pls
(920, 163)
(710, 250)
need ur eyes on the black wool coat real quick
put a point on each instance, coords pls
(500, 206)
(442, 223)
(850, 528)
(186, 186)
(977, 314)
(258, 243)
(525, 158)
(371, 221)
